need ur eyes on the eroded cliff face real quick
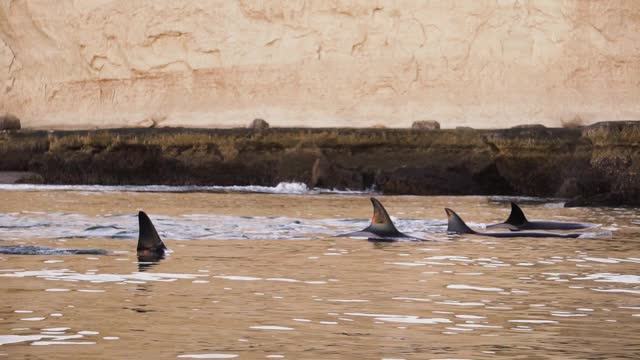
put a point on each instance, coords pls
(595, 165)
(112, 63)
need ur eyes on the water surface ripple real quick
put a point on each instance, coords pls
(311, 296)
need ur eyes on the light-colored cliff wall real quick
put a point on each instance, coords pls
(111, 63)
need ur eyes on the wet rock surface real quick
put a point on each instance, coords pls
(599, 164)
(426, 125)
(20, 177)
(259, 124)
(9, 122)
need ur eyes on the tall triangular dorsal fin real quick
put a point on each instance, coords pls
(380, 221)
(456, 224)
(148, 238)
(516, 217)
(381, 227)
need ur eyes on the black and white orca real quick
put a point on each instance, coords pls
(517, 222)
(456, 225)
(381, 227)
(150, 246)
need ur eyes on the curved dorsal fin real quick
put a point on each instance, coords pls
(148, 238)
(516, 217)
(456, 224)
(380, 221)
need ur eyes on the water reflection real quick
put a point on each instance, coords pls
(51, 336)
(148, 260)
(381, 245)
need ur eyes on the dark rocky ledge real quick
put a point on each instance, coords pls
(595, 165)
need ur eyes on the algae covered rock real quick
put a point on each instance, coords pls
(20, 177)
(529, 126)
(599, 164)
(9, 122)
(259, 124)
(426, 125)
(328, 174)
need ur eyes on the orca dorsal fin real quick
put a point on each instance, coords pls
(455, 224)
(380, 221)
(148, 238)
(516, 217)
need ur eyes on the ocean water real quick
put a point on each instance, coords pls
(255, 273)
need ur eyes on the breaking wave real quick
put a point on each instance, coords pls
(282, 188)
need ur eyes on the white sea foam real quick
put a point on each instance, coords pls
(598, 234)
(281, 188)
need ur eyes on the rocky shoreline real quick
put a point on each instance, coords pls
(594, 165)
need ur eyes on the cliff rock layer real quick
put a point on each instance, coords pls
(599, 164)
(219, 63)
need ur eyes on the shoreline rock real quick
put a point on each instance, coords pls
(426, 125)
(9, 122)
(259, 124)
(20, 177)
(593, 163)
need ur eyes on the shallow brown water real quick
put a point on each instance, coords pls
(301, 294)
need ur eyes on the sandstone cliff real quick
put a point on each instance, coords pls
(121, 63)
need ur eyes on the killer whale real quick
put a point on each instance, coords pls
(381, 227)
(150, 247)
(517, 221)
(456, 225)
(43, 250)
